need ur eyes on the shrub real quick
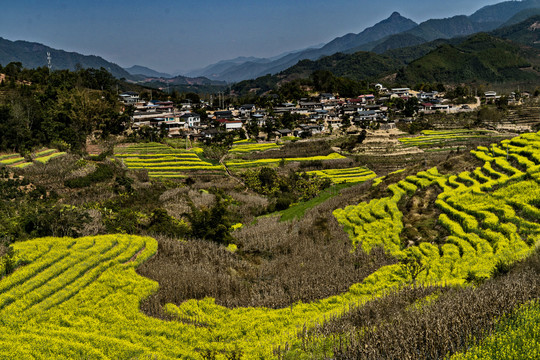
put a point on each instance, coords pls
(211, 223)
(103, 172)
(7, 262)
(56, 220)
(162, 223)
(284, 201)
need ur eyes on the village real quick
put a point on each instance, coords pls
(324, 113)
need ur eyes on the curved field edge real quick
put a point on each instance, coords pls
(95, 312)
(104, 314)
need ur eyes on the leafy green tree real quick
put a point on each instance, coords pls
(193, 97)
(411, 106)
(289, 120)
(56, 220)
(211, 223)
(269, 127)
(324, 80)
(7, 262)
(253, 128)
(292, 91)
(162, 223)
(345, 122)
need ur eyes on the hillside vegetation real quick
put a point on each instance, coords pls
(358, 66)
(479, 58)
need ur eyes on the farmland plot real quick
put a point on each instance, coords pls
(165, 162)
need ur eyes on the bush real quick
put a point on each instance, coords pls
(102, 173)
(211, 223)
(57, 220)
(164, 224)
(7, 262)
(284, 201)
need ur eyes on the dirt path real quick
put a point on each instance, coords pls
(222, 162)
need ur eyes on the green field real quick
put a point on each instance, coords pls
(42, 156)
(298, 210)
(243, 148)
(348, 175)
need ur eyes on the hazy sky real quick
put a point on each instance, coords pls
(173, 36)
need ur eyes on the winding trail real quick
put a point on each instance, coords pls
(222, 162)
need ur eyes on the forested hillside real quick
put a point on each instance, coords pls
(479, 58)
(59, 108)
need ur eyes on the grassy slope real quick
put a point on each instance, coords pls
(298, 210)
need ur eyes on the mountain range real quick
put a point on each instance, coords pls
(145, 71)
(252, 69)
(394, 32)
(509, 54)
(33, 55)
(387, 37)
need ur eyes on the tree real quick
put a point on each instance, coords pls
(212, 223)
(7, 262)
(253, 128)
(292, 91)
(13, 69)
(162, 223)
(269, 127)
(411, 107)
(202, 113)
(323, 80)
(289, 120)
(412, 265)
(194, 98)
(345, 122)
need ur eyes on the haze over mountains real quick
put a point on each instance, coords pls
(247, 70)
(391, 33)
(395, 32)
(506, 55)
(33, 55)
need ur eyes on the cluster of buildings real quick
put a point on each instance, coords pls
(321, 114)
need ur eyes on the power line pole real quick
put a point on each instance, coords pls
(49, 61)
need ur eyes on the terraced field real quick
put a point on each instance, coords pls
(349, 175)
(79, 298)
(515, 338)
(490, 212)
(449, 138)
(165, 162)
(42, 156)
(240, 164)
(246, 147)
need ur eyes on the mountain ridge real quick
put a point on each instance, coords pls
(485, 19)
(511, 54)
(33, 55)
(395, 23)
(146, 71)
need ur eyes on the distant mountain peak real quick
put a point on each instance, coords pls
(143, 70)
(395, 14)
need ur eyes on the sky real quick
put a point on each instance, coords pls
(175, 36)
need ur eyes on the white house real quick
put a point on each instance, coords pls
(401, 91)
(191, 119)
(129, 97)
